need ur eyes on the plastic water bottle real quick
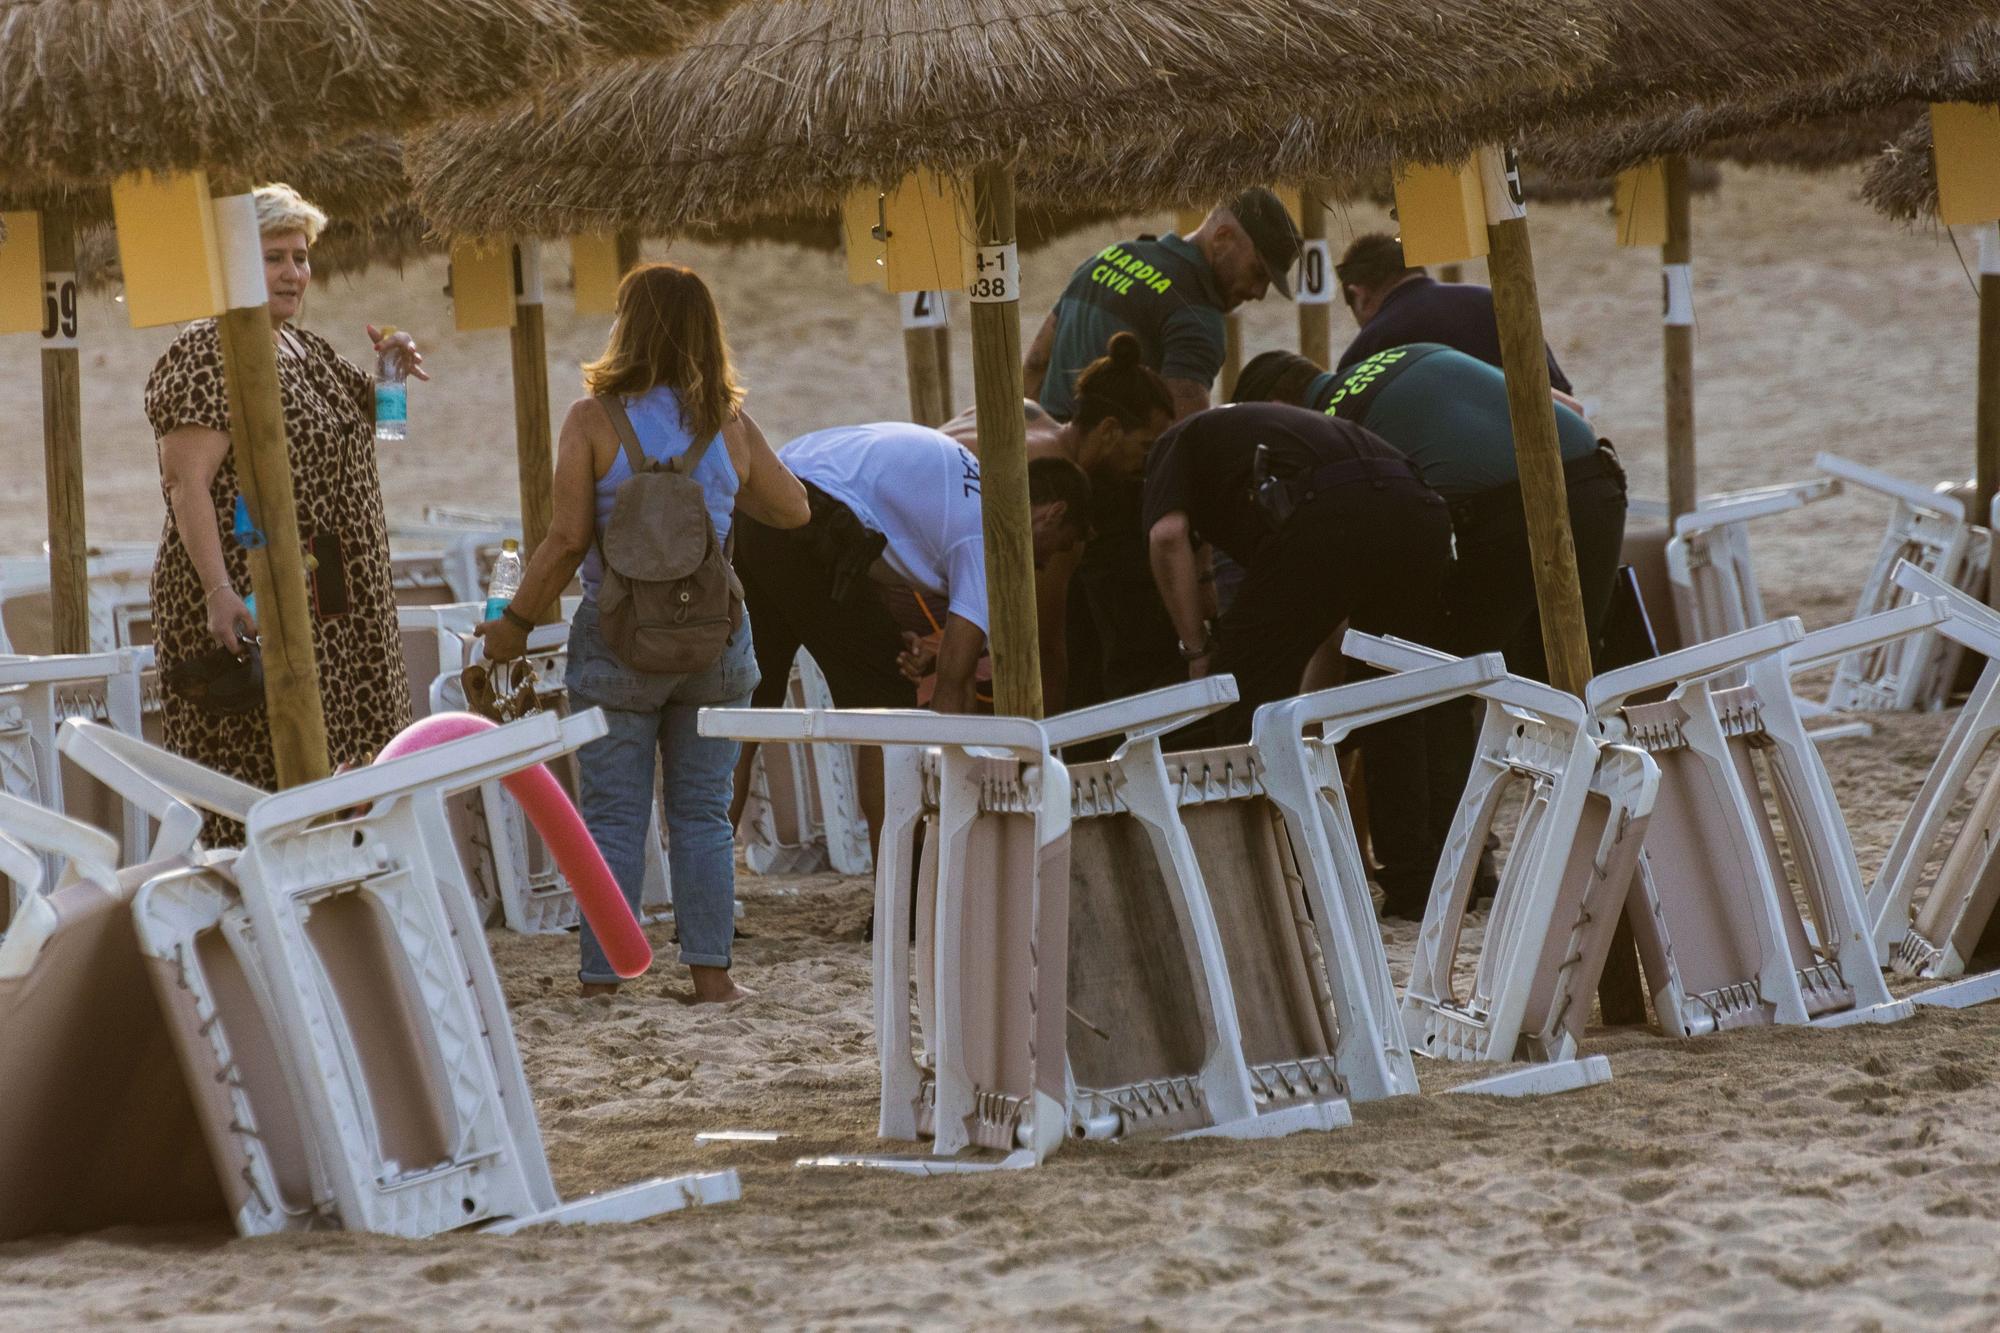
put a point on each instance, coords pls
(392, 394)
(506, 579)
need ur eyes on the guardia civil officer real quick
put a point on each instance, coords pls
(1170, 292)
(1331, 525)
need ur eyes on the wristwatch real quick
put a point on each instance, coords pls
(1189, 654)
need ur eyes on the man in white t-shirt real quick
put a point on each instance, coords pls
(891, 503)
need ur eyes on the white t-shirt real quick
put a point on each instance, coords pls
(916, 486)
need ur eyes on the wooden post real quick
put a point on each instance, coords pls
(941, 335)
(531, 400)
(628, 251)
(1451, 273)
(1676, 258)
(1003, 448)
(62, 442)
(1315, 318)
(292, 701)
(920, 358)
(1986, 438)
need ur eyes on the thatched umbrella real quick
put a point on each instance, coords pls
(789, 105)
(91, 89)
(1903, 183)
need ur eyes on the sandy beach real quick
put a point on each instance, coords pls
(1758, 1180)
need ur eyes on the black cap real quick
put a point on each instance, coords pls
(1269, 227)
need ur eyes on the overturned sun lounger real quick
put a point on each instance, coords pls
(1586, 804)
(1744, 828)
(1930, 529)
(804, 812)
(1936, 939)
(329, 998)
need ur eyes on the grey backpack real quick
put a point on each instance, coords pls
(669, 599)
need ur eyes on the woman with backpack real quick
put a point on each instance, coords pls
(650, 468)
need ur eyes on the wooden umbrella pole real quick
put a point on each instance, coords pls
(1538, 458)
(628, 251)
(1987, 429)
(1676, 258)
(920, 358)
(1315, 318)
(1451, 273)
(531, 424)
(292, 703)
(1003, 448)
(941, 335)
(62, 443)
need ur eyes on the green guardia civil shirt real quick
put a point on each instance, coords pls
(1160, 289)
(1445, 411)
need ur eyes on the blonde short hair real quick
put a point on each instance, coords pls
(280, 209)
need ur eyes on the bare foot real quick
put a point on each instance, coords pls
(711, 986)
(590, 988)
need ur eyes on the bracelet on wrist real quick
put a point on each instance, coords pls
(209, 594)
(516, 619)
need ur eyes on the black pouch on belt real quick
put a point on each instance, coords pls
(841, 541)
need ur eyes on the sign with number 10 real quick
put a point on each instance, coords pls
(1315, 274)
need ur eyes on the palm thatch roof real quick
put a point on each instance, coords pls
(1902, 182)
(783, 106)
(1662, 60)
(1829, 124)
(91, 88)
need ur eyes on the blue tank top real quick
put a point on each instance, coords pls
(656, 420)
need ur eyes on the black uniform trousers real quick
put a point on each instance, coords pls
(1373, 553)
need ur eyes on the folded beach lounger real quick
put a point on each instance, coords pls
(804, 812)
(1202, 996)
(511, 868)
(993, 933)
(36, 694)
(1930, 529)
(1584, 807)
(1956, 859)
(1745, 828)
(333, 1006)
(97, 1125)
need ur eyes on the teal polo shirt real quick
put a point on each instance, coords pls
(1446, 412)
(1159, 289)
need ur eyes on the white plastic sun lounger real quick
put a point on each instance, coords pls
(334, 1007)
(1930, 529)
(998, 803)
(1200, 1000)
(804, 812)
(1745, 830)
(1564, 882)
(1937, 938)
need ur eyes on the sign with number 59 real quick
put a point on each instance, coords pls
(59, 316)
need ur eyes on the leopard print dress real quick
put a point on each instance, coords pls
(329, 423)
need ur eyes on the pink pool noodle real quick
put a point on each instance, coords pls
(549, 810)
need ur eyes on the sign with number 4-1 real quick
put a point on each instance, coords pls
(996, 275)
(59, 318)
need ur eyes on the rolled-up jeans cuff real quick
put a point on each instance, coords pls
(605, 978)
(704, 959)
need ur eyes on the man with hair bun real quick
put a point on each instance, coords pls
(1170, 293)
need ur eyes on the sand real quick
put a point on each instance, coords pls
(1757, 1180)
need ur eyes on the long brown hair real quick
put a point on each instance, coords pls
(668, 331)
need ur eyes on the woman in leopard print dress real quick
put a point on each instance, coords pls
(202, 574)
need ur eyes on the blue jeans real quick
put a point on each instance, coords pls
(652, 715)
